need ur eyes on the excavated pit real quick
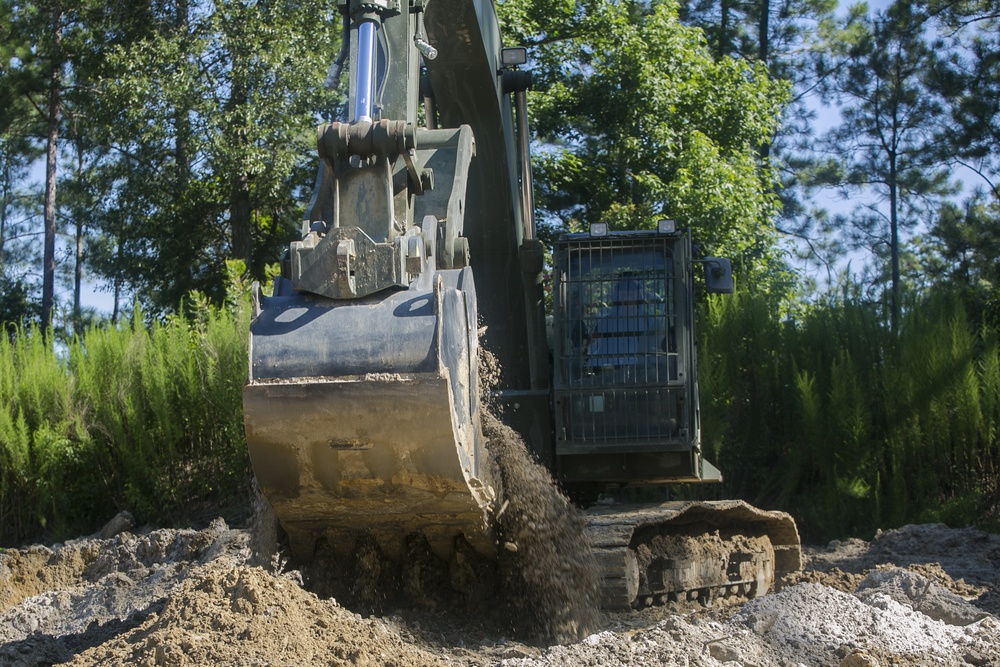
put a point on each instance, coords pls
(542, 585)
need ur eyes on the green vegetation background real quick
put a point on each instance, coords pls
(828, 415)
(146, 416)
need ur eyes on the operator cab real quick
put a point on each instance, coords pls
(626, 405)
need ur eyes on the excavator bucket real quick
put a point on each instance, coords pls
(361, 408)
(362, 416)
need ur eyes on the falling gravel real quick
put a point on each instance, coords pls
(546, 562)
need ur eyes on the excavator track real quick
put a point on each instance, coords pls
(689, 550)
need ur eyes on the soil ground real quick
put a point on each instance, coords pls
(919, 595)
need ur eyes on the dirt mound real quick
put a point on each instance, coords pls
(245, 616)
(94, 588)
(806, 624)
(178, 597)
(834, 578)
(964, 561)
(38, 569)
(921, 594)
(810, 623)
(963, 553)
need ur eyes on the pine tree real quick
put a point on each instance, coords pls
(884, 147)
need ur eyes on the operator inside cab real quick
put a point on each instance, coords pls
(630, 336)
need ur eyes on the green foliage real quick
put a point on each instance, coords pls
(18, 253)
(145, 416)
(637, 121)
(209, 110)
(848, 425)
(192, 131)
(17, 309)
(884, 148)
(961, 250)
(967, 75)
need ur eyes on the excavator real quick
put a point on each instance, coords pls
(363, 402)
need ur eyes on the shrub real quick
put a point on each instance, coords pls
(145, 416)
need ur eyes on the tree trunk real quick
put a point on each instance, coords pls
(240, 216)
(181, 121)
(78, 255)
(51, 153)
(239, 200)
(5, 201)
(115, 308)
(894, 241)
(78, 278)
(763, 32)
(723, 45)
(764, 54)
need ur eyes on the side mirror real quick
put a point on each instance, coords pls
(718, 275)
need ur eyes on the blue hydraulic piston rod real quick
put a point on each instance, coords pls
(365, 73)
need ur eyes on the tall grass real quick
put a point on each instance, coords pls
(43, 439)
(145, 416)
(847, 424)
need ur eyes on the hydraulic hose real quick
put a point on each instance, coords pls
(333, 74)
